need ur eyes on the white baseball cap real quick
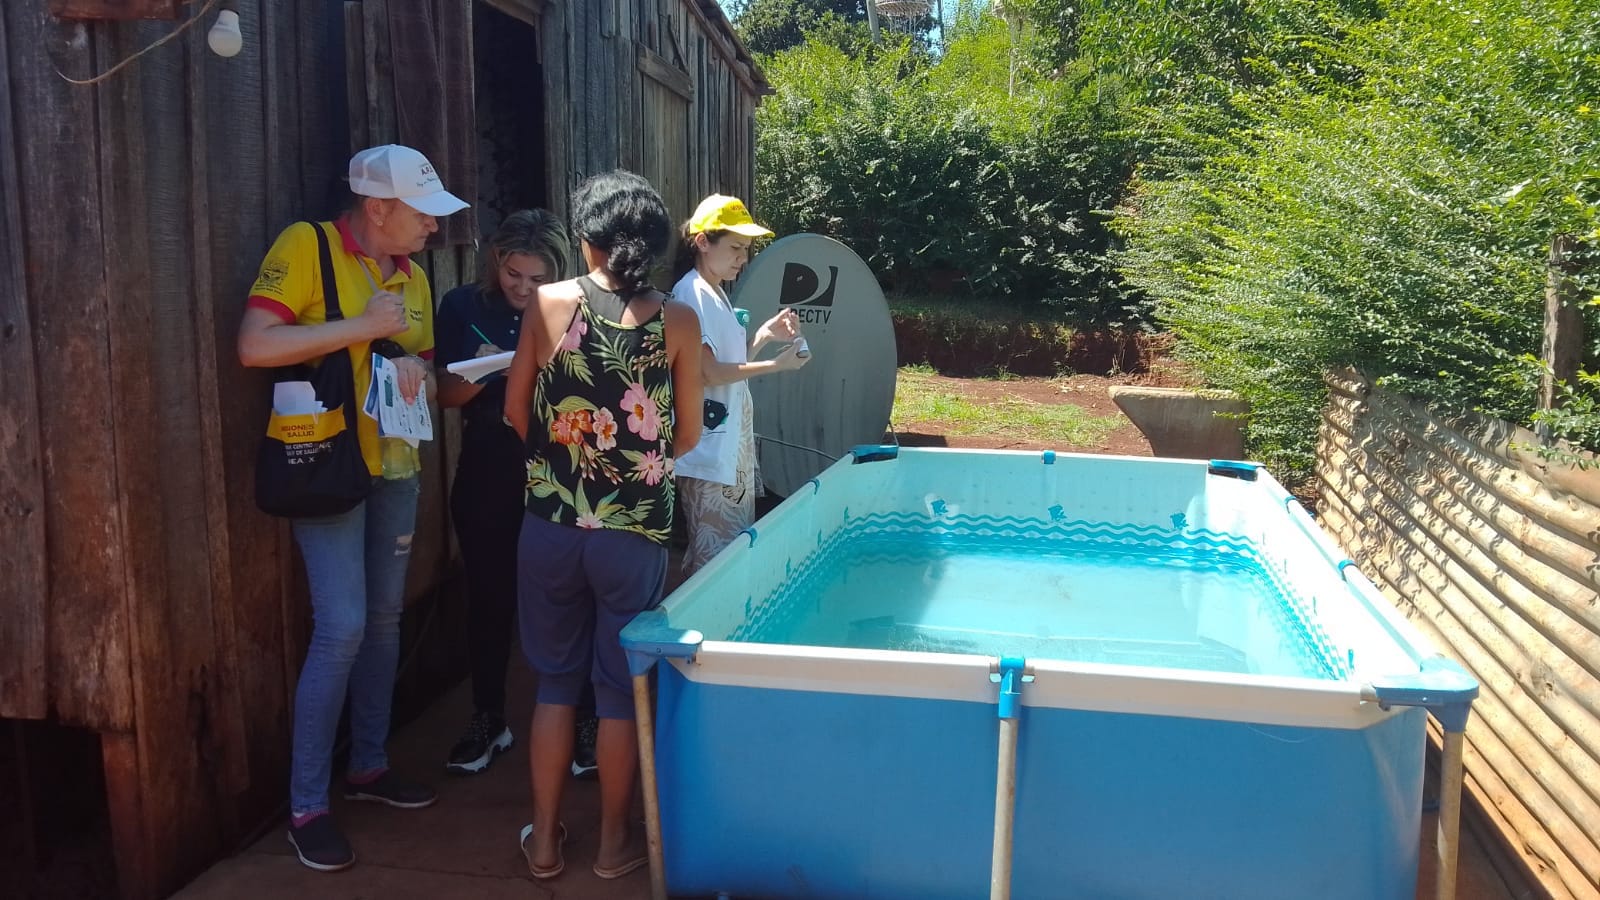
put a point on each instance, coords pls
(395, 172)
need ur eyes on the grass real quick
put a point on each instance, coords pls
(920, 398)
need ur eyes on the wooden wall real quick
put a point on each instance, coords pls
(142, 595)
(1495, 555)
(659, 87)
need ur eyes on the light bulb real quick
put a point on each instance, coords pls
(224, 37)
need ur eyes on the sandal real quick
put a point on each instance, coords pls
(549, 871)
(619, 871)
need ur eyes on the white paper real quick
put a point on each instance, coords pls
(295, 398)
(396, 417)
(476, 370)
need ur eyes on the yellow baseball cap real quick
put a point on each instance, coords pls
(720, 212)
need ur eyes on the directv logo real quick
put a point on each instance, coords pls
(800, 291)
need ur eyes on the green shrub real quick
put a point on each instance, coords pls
(1388, 206)
(936, 173)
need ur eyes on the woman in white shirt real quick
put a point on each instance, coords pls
(716, 480)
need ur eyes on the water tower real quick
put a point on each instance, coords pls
(905, 16)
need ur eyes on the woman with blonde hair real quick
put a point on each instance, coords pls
(529, 249)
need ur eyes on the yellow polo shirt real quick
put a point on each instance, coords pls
(289, 285)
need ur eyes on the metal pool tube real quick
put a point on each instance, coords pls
(659, 641)
(1010, 673)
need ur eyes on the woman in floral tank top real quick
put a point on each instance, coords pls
(605, 389)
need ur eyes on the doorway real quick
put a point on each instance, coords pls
(508, 90)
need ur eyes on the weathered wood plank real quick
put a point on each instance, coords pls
(223, 744)
(151, 166)
(274, 562)
(24, 681)
(244, 543)
(558, 161)
(628, 89)
(714, 26)
(355, 76)
(119, 755)
(458, 63)
(656, 67)
(381, 122)
(64, 267)
(114, 9)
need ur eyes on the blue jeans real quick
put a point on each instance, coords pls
(356, 566)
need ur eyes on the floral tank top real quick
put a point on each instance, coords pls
(600, 433)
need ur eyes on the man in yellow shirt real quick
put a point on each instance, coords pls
(355, 561)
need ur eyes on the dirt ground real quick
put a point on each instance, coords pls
(1089, 392)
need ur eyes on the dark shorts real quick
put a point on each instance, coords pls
(576, 589)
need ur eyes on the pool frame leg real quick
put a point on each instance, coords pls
(1005, 804)
(1010, 672)
(1450, 785)
(644, 723)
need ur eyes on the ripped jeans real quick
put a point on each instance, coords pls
(356, 566)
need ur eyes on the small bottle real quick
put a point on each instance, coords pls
(400, 459)
(801, 348)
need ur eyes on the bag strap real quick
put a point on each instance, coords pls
(330, 284)
(332, 313)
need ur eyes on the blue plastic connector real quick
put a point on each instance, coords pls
(1012, 672)
(1049, 457)
(1244, 471)
(1442, 687)
(650, 637)
(874, 452)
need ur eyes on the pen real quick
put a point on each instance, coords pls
(483, 337)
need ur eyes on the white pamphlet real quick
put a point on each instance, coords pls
(476, 370)
(396, 417)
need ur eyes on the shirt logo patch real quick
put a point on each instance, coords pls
(273, 272)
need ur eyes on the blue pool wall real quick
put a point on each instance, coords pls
(793, 793)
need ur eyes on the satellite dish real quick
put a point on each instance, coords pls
(844, 396)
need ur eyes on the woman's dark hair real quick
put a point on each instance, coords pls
(622, 216)
(535, 232)
(687, 254)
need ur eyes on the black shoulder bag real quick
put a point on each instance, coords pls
(311, 464)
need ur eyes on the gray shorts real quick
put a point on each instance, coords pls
(576, 589)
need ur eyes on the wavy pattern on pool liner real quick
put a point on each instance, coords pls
(868, 537)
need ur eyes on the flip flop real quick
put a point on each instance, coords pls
(619, 871)
(542, 873)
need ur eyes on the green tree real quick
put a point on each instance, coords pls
(1380, 193)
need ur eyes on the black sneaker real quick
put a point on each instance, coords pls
(486, 737)
(321, 845)
(392, 790)
(583, 740)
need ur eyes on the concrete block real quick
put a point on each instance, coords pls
(1185, 423)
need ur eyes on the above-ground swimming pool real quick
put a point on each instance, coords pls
(1205, 700)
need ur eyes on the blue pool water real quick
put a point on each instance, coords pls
(1078, 601)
